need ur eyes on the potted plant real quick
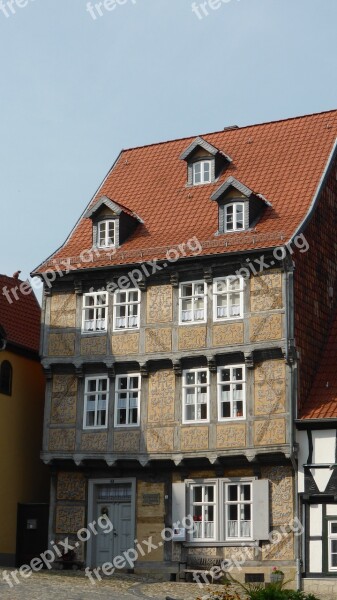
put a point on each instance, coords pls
(276, 575)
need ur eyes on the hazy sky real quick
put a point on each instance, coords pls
(78, 86)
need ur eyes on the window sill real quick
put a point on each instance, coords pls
(126, 329)
(201, 322)
(203, 422)
(228, 319)
(212, 544)
(98, 332)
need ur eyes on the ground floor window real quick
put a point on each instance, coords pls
(332, 545)
(221, 510)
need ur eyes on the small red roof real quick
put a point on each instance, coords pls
(20, 319)
(322, 401)
(283, 161)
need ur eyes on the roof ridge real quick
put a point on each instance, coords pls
(171, 141)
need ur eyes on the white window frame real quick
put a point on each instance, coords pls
(231, 383)
(108, 243)
(331, 537)
(195, 386)
(220, 508)
(97, 393)
(226, 291)
(239, 503)
(128, 303)
(204, 504)
(127, 391)
(235, 206)
(194, 297)
(96, 308)
(202, 164)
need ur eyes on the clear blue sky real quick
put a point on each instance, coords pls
(75, 90)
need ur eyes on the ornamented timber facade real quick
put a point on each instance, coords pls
(278, 340)
(163, 451)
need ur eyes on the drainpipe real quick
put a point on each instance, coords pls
(292, 362)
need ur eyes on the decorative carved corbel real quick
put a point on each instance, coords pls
(47, 369)
(142, 284)
(110, 367)
(208, 274)
(177, 368)
(143, 461)
(79, 371)
(144, 369)
(251, 456)
(178, 460)
(78, 461)
(110, 461)
(211, 363)
(174, 279)
(249, 360)
(213, 459)
(78, 287)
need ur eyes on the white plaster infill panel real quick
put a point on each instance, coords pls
(316, 512)
(324, 442)
(321, 477)
(315, 556)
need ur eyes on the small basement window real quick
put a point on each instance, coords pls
(106, 233)
(202, 172)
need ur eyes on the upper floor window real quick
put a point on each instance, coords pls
(192, 302)
(234, 216)
(96, 397)
(95, 312)
(127, 402)
(228, 298)
(126, 309)
(6, 373)
(106, 233)
(202, 172)
(195, 395)
(231, 392)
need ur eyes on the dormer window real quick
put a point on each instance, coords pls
(234, 216)
(112, 223)
(106, 233)
(239, 207)
(202, 172)
(204, 162)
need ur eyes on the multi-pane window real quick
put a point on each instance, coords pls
(96, 396)
(106, 234)
(231, 392)
(192, 302)
(222, 510)
(332, 541)
(95, 312)
(228, 298)
(203, 508)
(202, 172)
(126, 309)
(195, 395)
(127, 401)
(234, 216)
(238, 505)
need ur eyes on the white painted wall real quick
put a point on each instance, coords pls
(331, 510)
(315, 556)
(316, 515)
(324, 441)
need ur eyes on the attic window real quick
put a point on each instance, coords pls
(234, 216)
(106, 233)
(202, 172)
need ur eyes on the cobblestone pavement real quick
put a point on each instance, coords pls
(70, 585)
(56, 585)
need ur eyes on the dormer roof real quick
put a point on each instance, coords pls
(115, 207)
(232, 182)
(201, 143)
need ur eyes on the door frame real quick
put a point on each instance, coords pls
(92, 484)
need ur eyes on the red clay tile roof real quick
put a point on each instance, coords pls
(21, 319)
(283, 160)
(322, 401)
